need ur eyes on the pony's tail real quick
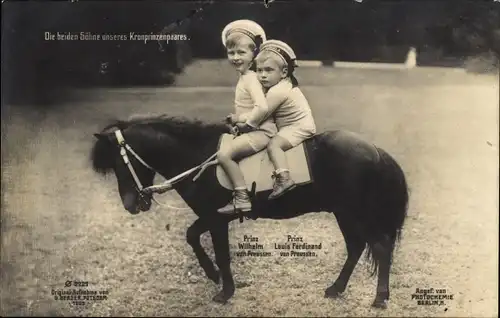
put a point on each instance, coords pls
(389, 206)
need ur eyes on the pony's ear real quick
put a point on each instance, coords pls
(102, 136)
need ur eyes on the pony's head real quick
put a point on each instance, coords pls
(165, 145)
(110, 154)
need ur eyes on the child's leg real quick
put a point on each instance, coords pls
(276, 150)
(242, 146)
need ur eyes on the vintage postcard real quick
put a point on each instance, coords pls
(250, 158)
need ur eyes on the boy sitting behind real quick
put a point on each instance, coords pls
(286, 103)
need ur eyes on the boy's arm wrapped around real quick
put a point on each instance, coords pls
(265, 104)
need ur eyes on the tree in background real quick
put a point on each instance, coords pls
(475, 34)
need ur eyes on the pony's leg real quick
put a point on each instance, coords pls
(193, 234)
(382, 250)
(355, 246)
(220, 239)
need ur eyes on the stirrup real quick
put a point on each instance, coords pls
(245, 215)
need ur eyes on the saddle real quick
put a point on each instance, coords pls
(258, 167)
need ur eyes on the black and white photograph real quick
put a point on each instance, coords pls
(250, 158)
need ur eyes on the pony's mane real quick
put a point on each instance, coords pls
(190, 131)
(177, 125)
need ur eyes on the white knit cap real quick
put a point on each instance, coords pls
(247, 27)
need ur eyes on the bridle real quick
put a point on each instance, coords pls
(124, 147)
(123, 152)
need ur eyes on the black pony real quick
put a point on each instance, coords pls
(362, 185)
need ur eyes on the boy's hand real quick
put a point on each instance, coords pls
(244, 128)
(231, 119)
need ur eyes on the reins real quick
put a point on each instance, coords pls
(170, 182)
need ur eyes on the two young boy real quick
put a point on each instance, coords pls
(266, 88)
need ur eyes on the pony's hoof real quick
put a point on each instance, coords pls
(332, 292)
(221, 298)
(380, 304)
(214, 276)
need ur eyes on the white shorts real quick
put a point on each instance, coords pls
(258, 139)
(296, 134)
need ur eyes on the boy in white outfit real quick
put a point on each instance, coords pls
(242, 39)
(286, 104)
